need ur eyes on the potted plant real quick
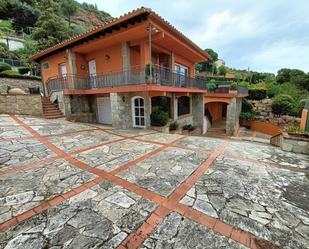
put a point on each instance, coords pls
(149, 73)
(173, 127)
(233, 88)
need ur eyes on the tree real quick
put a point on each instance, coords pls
(282, 104)
(50, 28)
(208, 66)
(68, 9)
(222, 70)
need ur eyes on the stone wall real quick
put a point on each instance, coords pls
(291, 143)
(21, 104)
(18, 83)
(263, 111)
(121, 105)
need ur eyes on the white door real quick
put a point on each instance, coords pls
(104, 110)
(138, 112)
(92, 73)
(63, 70)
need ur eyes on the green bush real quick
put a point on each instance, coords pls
(272, 90)
(246, 106)
(159, 118)
(233, 86)
(246, 116)
(173, 126)
(23, 70)
(257, 94)
(211, 86)
(9, 72)
(283, 105)
(4, 67)
(293, 128)
(244, 83)
(188, 127)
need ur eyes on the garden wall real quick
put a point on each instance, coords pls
(23, 84)
(21, 104)
(291, 143)
(263, 111)
(263, 127)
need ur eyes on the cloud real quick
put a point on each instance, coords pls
(263, 35)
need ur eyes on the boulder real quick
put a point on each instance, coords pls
(16, 91)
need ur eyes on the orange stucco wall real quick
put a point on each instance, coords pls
(81, 65)
(54, 62)
(104, 65)
(215, 110)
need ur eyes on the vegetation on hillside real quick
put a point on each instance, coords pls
(42, 23)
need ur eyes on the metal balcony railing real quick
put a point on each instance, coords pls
(149, 75)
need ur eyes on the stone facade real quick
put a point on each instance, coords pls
(21, 104)
(232, 116)
(18, 83)
(291, 143)
(121, 104)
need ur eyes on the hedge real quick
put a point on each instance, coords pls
(23, 70)
(246, 106)
(4, 67)
(19, 76)
(159, 118)
(282, 104)
(257, 94)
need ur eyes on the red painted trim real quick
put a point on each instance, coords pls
(143, 88)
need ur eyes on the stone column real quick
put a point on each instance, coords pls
(232, 117)
(198, 110)
(174, 106)
(71, 62)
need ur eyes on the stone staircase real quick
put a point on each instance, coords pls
(217, 129)
(50, 110)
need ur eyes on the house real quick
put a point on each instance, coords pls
(119, 72)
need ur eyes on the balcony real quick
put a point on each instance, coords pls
(135, 76)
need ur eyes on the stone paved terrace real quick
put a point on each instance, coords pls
(72, 185)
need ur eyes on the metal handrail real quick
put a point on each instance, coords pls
(136, 75)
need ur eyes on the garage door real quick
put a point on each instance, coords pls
(104, 110)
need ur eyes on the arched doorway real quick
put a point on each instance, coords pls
(138, 112)
(216, 113)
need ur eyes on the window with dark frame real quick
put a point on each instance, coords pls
(183, 105)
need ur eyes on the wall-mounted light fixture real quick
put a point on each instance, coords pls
(123, 99)
(107, 56)
(82, 67)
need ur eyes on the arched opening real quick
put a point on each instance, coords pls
(161, 103)
(138, 112)
(216, 114)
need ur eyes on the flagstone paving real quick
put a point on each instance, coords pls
(73, 185)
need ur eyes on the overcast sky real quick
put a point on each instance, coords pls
(264, 35)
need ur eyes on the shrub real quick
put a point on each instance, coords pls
(282, 104)
(246, 106)
(9, 72)
(173, 126)
(23, 70)
(272, 90)
(257, 94)
(4, 67)
(244, 83)
(188, 127)
(293, 128)
(247, 116)
(211, 86)
(159, 118)
(233, 86)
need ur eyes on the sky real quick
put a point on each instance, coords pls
(263, 35)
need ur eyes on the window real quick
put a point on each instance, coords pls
(138, 112)
(45, 65)
(181, 75)
(183, 105)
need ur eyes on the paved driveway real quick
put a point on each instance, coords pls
(72, 185)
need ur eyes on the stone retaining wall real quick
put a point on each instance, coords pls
(291, 143)
(18, 83)
(21, 104)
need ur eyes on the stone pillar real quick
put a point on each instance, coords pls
(125, 52)
(198, 110)
(121, 110)
(67, 105)
(232, 116)
(174, 106)
(71, 62)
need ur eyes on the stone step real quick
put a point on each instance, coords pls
(55, 116)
